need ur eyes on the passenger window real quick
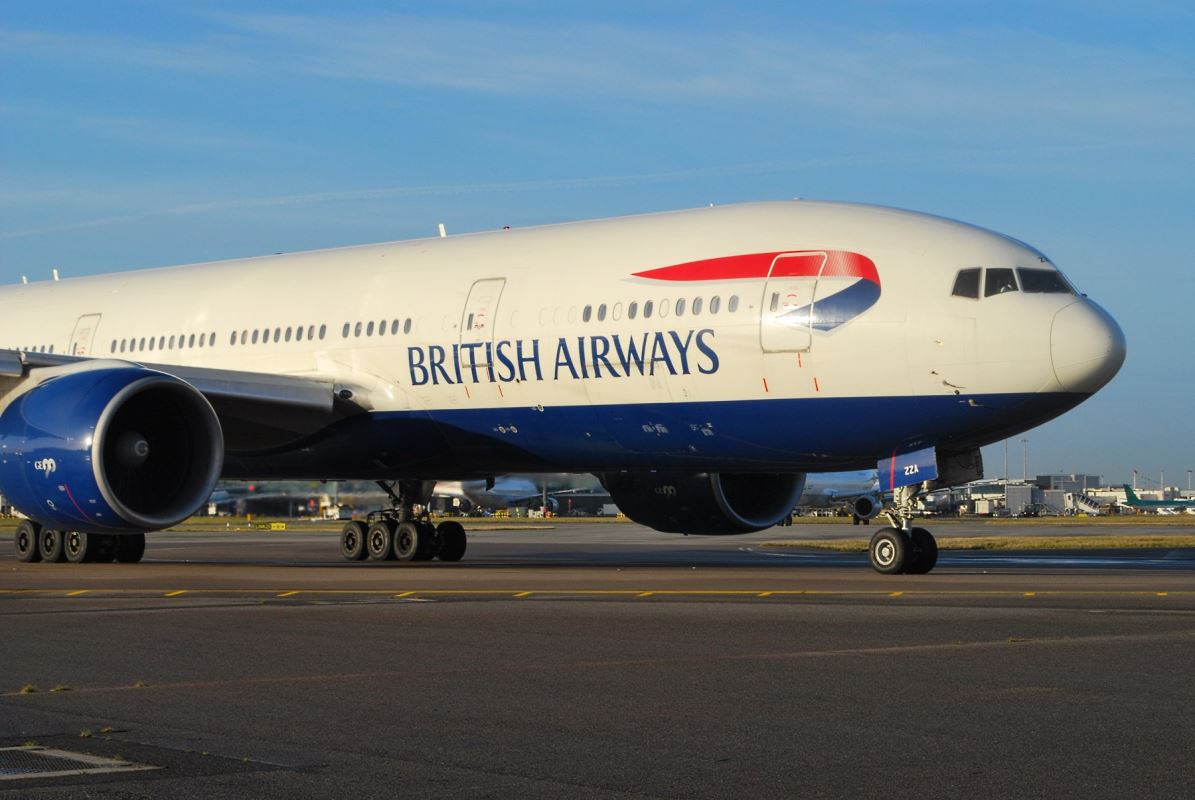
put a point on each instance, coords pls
(382, 328)
(616, 312)
(232, 339)
(394, 327)
(298, 333)
(161, 342)
(406, 326)
(202, 339)
(254, 336)
(1044, 281)
(345, 332)
(647, 309)
(664, 307)
(732, 305)
(966, 283)
(696, 306)
(998, 281)
(286, 336)
(311, 332)
(322, 330)
(357, 329)
(632, 310)
(113, 346)
(586, 313)
(469, 322)
(715, 304)
(122, 341)
(369, 327)
(244, 336)
(602, 312)
(277, 334)
(680, 307)
(141, 344)
(151, 344)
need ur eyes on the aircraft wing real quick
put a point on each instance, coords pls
(256, 410)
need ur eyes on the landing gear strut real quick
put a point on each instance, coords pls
(403, 532)
(903, 549)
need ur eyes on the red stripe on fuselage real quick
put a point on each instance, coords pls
(795, 263)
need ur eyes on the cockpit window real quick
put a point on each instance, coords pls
(999, 281)
(1043, 280)
(967, 283)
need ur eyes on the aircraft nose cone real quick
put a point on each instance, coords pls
(1087, 347)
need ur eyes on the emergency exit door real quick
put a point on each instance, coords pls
(786, 315)
(83, 337)
(481, 317)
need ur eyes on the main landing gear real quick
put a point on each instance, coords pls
(403, 532)
(903, 549)
(34, 543)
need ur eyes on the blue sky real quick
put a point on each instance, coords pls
(137, 134)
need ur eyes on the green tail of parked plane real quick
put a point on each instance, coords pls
(1136, 502)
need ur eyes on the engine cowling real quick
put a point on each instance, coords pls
(867, 506)
(705, 502)
(110, 448)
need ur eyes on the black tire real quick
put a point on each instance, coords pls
(453, 541)
(78, 547)
(429, 542)
(889, 551)
(49, 545)
(130, 547)
(407, 538)
(25, 541)
(105, 548)
(378, 540)
(352, 541)
(924, 552)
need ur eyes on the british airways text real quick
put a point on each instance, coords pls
(566, 358)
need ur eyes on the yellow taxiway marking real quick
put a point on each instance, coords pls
(404, 594)
(176, 593)
(895, 594)
(523, 594)
(1163, 594)
(645, 594)
(77, 592)
(289, 594)
(767, 594)
(1030, 594)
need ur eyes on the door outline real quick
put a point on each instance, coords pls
(790, 288)
(83, 335)
(479, 319)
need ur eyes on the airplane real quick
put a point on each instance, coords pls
(1161, 506)
(700, 362)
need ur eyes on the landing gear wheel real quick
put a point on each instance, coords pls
(352, 541)
(429, 543)
(49, 545)
(407, 541)
(130, 548)
(924, 552)
(889, 551)
(78, 547)
(378, 540)
(25, 541)
(452, 541)
(105, 548)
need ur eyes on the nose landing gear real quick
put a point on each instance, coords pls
(903, 549)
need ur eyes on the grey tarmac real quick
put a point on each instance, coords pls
(602, 661)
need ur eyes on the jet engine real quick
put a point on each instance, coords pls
(705, 502)
(106, 448)
(867, 506)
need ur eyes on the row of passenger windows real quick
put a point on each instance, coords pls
(37, 348)
(369, 328)
(998, 280)
(180, 342)
(695, 308)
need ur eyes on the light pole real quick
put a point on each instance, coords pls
(1006, 462)
(1025, 461)
(1188, 480)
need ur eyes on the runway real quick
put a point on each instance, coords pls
(602, 661)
